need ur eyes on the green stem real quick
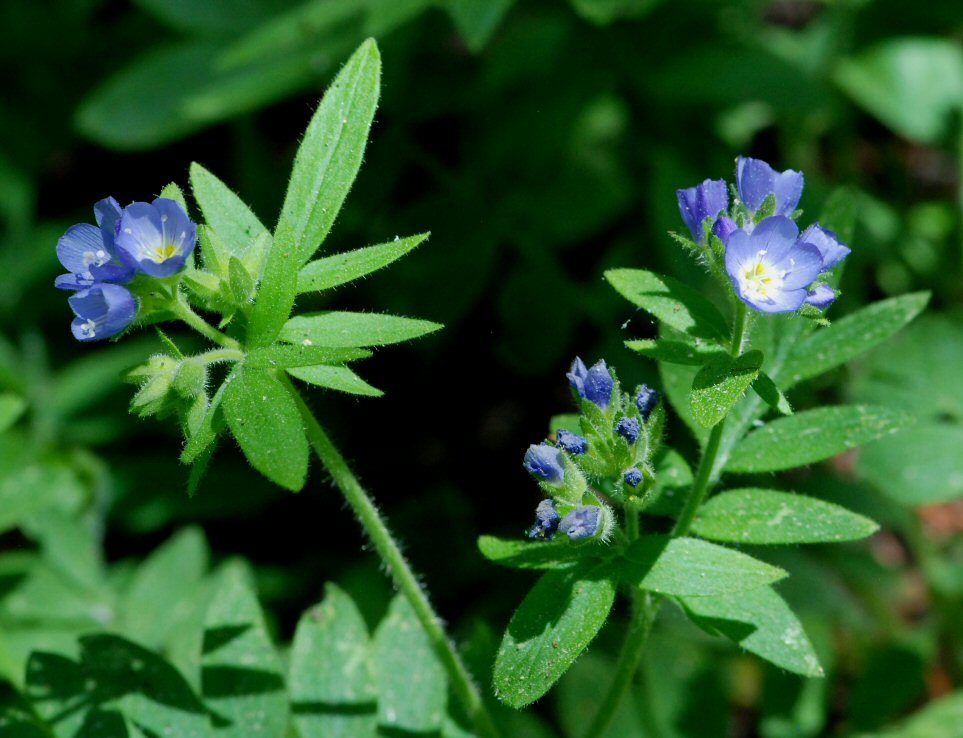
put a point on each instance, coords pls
(184, 312)
(404, 578)
(644, 610)
(216, 355)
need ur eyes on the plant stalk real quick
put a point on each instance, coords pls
(184, 312)
(404, 578)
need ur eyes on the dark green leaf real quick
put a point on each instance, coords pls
(771, 394)
(519, 554)
(696, 353)
(813, 435)
(339, 378)
(719, 385)
(766, 516)
(265, 421)
(555, 622)
(476, 20)
(941, 718)
(339, 269)
(674, 303)
(342, 329)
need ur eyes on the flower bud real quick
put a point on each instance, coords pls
(545, 463)
(546, 520)
(628, 428)
(595, 384)
(632, 477)
(571, 442)
(645, 400)
(583, 522)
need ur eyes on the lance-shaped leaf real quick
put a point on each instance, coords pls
(556, 621)
(331, 680)
(332, 271)
(813, 435)
(233, 221)
(769, 392)
(518, 554)
(675, 304)
(720, 384)
(848, 337)
(766, 516)
(338, 378)
(204, 433)
(411, 682)
(761, 622)
(241, 677)
(344, 329)
(688, 566)
(696, 353)
(280, 356)
(265, 420)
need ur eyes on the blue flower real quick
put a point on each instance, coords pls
(545, 462)
(628, 428)
(582, 522)
(756, 180)
(632, 477)
(771, 267)
(156, 238)
(102, 311)
(831, 250)
(703, 201)
(571, 442)
(89, 254)
(821, 296)
(645, 400)
(593, 384)
(546, 520)
(723, 228)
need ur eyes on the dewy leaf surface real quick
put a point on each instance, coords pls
(812, 436)
(719, 385)
(766, 516)
(553, 625)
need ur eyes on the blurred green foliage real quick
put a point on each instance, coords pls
(541, 143)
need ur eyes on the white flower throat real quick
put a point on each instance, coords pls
(759, 279)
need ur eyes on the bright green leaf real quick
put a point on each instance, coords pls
(553, 625)
(265, 420)
(342, 329)
(813, 435)
(331, 271)
(696, 353)
(281, 356)
(720, 384)
(688, 566)
(674, 303)
(204, 434)
(339, 378)
(174, 192)
(766, 516)
(224, 211)
(519, 554)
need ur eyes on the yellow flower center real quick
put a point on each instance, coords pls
(759, 280)
(164, 252)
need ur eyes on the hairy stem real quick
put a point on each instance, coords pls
(184, 312)
(404, 578)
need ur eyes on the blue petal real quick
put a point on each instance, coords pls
(784, 301)
(107, 213)
(788, 189)
(739, 249)
(178, 227)
(804, 263)
(724, 227)
(821, 297)
(72, 282)
(102, 311)
(140, 236)
(705, 200)
(77, 245)
(756, 180)
(582, 522)
(776, 235)
(830, 248)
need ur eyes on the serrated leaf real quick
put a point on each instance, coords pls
(696, 353)
(850, 336)
(343, 329)
(765, 516)
(115, 674)
(518, 554)
(766, 388)
(690, 567)
(813, 435)
(265, 420)
(330, 678)
(330, 154)
(332, 271)
(339, 378)
(555, 622)
(283, 356)
(412, 685)
(720, 383)
(233, 221)
(241, 677)
(674, 303)
(761, 622)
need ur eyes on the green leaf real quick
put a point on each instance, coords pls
(555, 622)
(33, 489)
(339, 378)
(912, 85)
(331, 681)
(205, 434)
(674, 303)
(281, 356)
(330, 154)
(766, 388)
(688, 566)
(696, 353)
(265, 420)
(412, 685)
(518, 554)
(233, 221)
(331, 271)
(173, 192)
(761, 622)
(940, 718)
(848, 337)
(242, 285)
(343, 329)
(720, 384)
(766, 516)
(241, 672)
(161, 593)
(17, 716)
(116, 675)
(813, 435)
(208, 16)
(476, 20)
(568, 421)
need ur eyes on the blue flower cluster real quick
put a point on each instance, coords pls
(773, 268)
(154, 239)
